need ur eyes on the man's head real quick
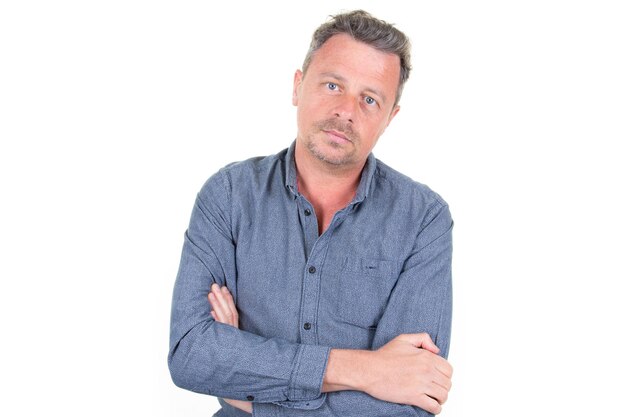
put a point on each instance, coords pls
(348, 90)
(365, 28)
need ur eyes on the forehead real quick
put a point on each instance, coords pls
(356, 61)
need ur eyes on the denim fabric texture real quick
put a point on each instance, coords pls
(382, 268)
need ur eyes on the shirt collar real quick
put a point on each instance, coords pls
(362, 190)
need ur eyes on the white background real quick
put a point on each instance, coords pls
(113, 114)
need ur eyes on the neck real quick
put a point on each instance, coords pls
(328, 188)
(321, 179)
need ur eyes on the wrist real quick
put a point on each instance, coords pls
(347, 369)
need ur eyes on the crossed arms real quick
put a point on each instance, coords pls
(407, 370)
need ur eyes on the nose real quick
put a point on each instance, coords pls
(345, 107)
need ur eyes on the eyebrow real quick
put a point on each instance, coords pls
(343, 79)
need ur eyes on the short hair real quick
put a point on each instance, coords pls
(364, 27)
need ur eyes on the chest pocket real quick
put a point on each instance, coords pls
(364, 289)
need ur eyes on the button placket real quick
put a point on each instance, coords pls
(311, 270)
(311, 289)
(309, 224)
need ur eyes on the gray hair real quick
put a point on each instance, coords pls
(365, 28)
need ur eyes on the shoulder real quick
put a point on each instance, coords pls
(391, 184)
(254, 166)
(415, 206)
(246, 173)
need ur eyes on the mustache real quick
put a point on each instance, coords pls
(340, 126)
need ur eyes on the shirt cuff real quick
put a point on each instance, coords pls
(278, 409)
(308, 375)
(305, 387)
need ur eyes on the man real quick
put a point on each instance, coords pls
(327, 272)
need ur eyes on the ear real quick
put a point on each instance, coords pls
(297, 81)
(393, 113)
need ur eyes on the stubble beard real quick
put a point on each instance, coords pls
(343, 156)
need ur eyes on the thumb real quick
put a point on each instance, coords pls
(420, 340)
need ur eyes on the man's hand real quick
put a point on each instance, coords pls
(223, 310)
(406, 370)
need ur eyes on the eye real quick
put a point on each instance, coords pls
(332, 86)
(370, 101)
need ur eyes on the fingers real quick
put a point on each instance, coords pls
(429, 404)
(227, 305)
(435, 384)
(221, 310)
(442, 381)
(217, 311)
(437, 392)
(420, 340)
(423, 341)
(436, 375)
(444, 367)
(223, 305)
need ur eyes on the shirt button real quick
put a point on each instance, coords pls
(312, 270)
(307, 326)
(307, 212)
(250, 398)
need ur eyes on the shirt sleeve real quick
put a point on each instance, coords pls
(216, 359)
(421, 301)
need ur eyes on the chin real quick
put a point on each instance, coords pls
(335, 158)
(329, 152)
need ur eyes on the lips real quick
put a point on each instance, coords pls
(338, 131)
(337, 134)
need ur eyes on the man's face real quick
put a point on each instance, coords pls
(345, 100)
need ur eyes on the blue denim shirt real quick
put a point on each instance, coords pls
(382, 268)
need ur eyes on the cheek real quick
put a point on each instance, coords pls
(304, 118)
(312, 111)
(374, 130)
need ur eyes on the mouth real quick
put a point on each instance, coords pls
(337, 136)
